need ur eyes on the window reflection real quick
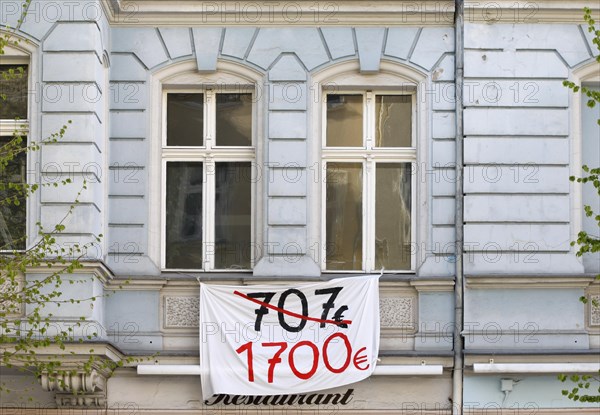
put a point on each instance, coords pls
(234, 120)
(184, 215)
(232, 215)
(344, 216)
(393, 216)
(393, 118)
(185, 119)
(344, 120)
(13, 88)
(13, 199)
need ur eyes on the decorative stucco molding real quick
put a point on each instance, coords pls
(396, 312)
(594, 310)
(181, 311)
(12, 307)
(77, 389)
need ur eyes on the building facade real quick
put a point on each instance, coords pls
(247, 143)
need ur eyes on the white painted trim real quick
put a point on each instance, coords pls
(536, 367)
(408, 370)
(14, 56)
(163, 215)
(387, 370)
(8, 127)
(208, 200)
(539, 282)
(175, 370)
(413, 218)
(184, 77)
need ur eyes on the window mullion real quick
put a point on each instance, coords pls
(8, 127)
(369, 214)
(370, 120)
(209, 118)
(208, 220)
(323, 251)
(413, 216)
(163, 214)
(369, 185)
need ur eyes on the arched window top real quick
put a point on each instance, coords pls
(588, 72)
(18, 50)
(391, 76)
(186, 74)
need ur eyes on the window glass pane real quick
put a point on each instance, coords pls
(393, 121)
(185, 119)
(233, 208)
(234, 120)
(13, 201)
(344, 120)
(13, 86)
(343, 216)
(184, 215)
(392, 216)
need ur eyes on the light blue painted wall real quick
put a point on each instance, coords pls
(518, 140)
(506, 128)
(132, 320)
(529, 394)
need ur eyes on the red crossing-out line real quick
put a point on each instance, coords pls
(291, 313)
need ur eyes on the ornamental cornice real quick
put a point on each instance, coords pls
(526, 12)
(339, 13)
(77, 388)
(77, 383)
(97, 268)
(279, 13)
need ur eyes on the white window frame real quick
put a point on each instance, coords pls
(583, 74)
(369, 156)
(208, 154)
(23, 53)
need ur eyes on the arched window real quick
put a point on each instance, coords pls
(208, 152)
(369, 134)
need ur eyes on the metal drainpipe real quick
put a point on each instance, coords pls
(457, 377)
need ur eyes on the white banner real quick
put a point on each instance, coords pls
(273, 339)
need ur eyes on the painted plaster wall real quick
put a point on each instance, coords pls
(529, 393)
(287, 57)
(100, 78)
(519, 207)
(518, 141)
(518, 137)
(107, 143)
(519, 215)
